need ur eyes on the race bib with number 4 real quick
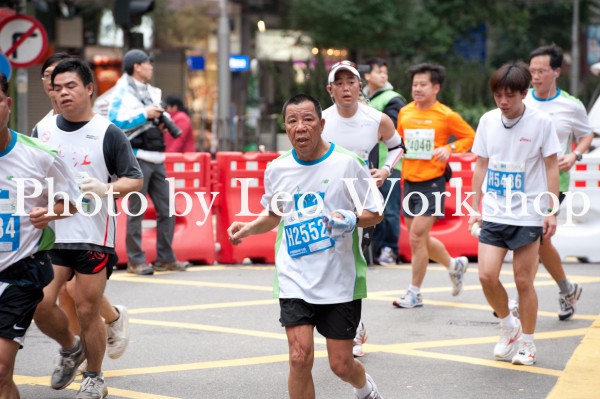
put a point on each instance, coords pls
(419, 143)
(306, 233)
(9, 224)
(504, 175)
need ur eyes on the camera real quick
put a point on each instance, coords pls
(168, 123)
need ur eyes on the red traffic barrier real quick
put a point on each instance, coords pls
(453, 229)
(240, 201)
(193, 239)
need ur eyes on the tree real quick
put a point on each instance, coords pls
(411, 31)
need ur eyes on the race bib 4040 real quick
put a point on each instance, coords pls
(306, 234)
(504, 175)
(419, 143)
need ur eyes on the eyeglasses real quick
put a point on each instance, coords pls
(47, 75)
(540, 71)
(345, 62)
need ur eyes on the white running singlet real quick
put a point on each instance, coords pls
(309, 265)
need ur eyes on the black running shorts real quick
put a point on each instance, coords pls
(334, 321)
(84, 261)
(17, 306)
(508, 236)
(419, 197)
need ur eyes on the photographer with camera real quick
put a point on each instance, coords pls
(135, 108)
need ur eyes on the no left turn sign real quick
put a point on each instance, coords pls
(23, 40)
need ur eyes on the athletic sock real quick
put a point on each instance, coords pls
(70, 350)
(565, 287)
(365, 390)
(87, 374)
(414, 288)
(508, 322)
(527, 337)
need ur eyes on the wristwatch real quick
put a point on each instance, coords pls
(578, 156)
(452, 147)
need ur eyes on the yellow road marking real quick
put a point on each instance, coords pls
(479, 362)
(220, 305)
(249, 361)
(154, 280)
(45, 381)
(373, 348)
(228, 330)
(580, 377)
(378, 296)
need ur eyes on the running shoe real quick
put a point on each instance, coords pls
(374, 392)
(359, 340)
(508, 345)
(117, 334)
(66, 366)
(92, 388)
(568, 303)
(409, 300)
(461, 265)
(525, 355)
(386, 257)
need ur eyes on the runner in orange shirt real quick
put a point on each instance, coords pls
(426, 126)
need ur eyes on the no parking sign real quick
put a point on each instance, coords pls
(23, 40)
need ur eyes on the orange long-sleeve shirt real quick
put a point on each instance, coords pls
(445, 122)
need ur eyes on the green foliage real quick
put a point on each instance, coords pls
(411, 31)
(471, 113)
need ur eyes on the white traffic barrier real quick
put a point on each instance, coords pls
(578, 233)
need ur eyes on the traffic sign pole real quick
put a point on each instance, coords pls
(22, 101)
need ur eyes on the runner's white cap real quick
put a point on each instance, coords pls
(341, 66)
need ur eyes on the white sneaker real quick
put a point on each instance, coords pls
(92, 388)
(525, 355)
(359, 340)
(461, 265)
(117, 334)
(374, 392)
(386, 257)
(409, 300)
(508, 345)
(568, 303)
